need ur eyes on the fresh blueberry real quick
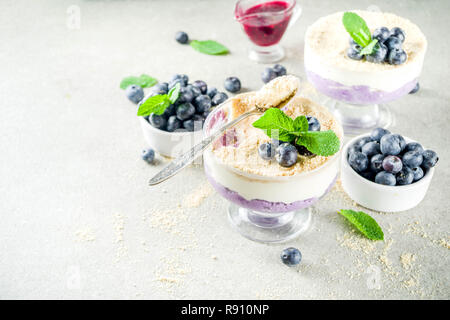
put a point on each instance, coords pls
(371, 148)
(202, 103)
(358, 161)
(414, 146)
(393, 43)
(381, 34)
(354, 54)
(405, 176)
(369, 175)
(185, 111)
(157, 121)
(418, 173)
(148, 155)
(172, 83)
(201, 85)
(392, 164)
(268, 75)
(291, 256)
(183, 77)
(181, 37)
(193, 124)
(376, 163)
(415, 89)
(211, 92)
(266, 151)
(160, 88)
(170, 111)
(377, 133)
(286, 155)
(186, 95)
(412, 159)
(354, 148)
(195, 91)
(219, 98)
(303, 151)
(173, 123)
(188, 125)
(398, 33)
(402, 141)
(232, 84)
(390, 144)
(313, 123)
(430, 158)
(385, 178)
(397, 56)
(379, 54)
(279, 70)
(134, 93)
(362, 141)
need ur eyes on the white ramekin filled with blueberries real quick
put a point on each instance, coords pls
(386, 172)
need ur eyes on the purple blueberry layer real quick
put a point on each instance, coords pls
(363, 95)
(263, 205)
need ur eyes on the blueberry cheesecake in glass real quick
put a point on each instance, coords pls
(272, 167)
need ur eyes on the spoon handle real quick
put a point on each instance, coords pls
(185, 159)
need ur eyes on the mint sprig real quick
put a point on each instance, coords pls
(364, 223)
(209, 47)
(357, 27)
(279, 126)
(370, 47)
(157, 104)
(144, 81)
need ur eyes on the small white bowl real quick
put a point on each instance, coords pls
(379, 197)
(169, 144)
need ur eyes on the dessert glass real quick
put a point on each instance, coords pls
(265, 209)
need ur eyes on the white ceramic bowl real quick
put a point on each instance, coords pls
(169, 144)
(377, 196)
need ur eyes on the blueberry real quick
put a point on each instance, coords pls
(172, 83)
(193, 124)
(219, 98)
(181, 37)
(412, 159)
(393, 43)
(183, 77)
(160, 88)
(354, 54)
(385, 178)
(379, 54)
(170, 111)
(211, 92)
(157, 121)
(402, 141)
(232, 84)
(202, 103)
(185, 111)
(362, 141)
(134, 93)
(313, 123)
(354, 148)
(279, 70)
(286, 155)
(266, 151)
(371, 148)
(358, 161)
(381, 34)
(268, 74)
(390, 144)
(415, 89)
(377, 133)
(369, 175)
(173, 123)
(392, 164)
(194, 90)
(201, 85)
(414, 146)
(148, 155)
(186, 95)
(430, 158)
(405, 176)
(291, 256)
(303, 151)
(376, 162)
(399, 33)
(397, 56)
(418, 173)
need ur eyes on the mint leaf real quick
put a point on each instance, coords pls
(322, 143)
(357, 27)
(209, 47)
(147, 81)
(129, 81)
(174, 93)
(144, 81)
(370, 47)
(301, 124)
(364, 223)
(156, 104)
(277, 124)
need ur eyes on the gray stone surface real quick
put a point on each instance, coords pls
(78, 219)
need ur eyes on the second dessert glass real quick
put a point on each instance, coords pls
(265, 209)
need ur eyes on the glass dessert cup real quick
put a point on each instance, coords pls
(265, 209)
(265, 22)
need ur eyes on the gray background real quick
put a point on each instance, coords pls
(78, 219)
